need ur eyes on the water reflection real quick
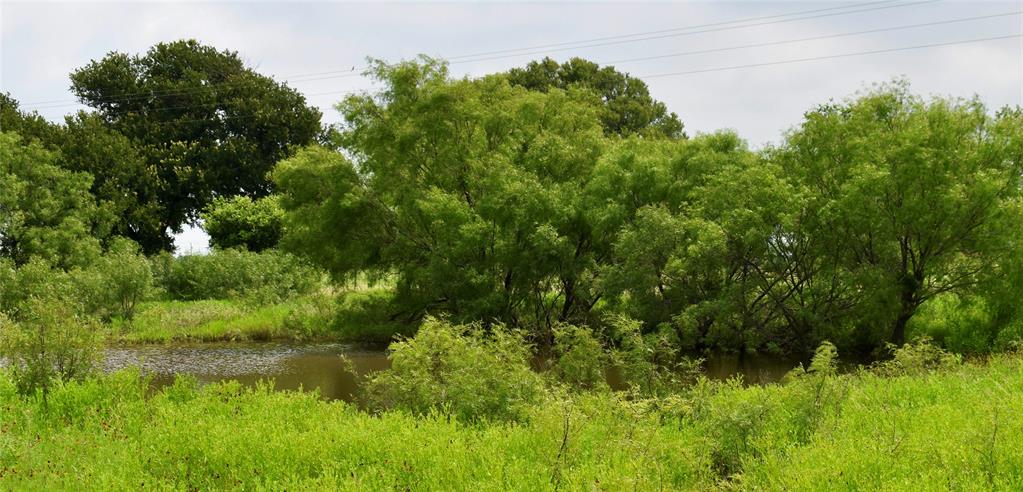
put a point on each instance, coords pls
(319, 366)
(291, 366)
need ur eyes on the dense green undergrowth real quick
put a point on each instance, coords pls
(917, 423)
(212, 320)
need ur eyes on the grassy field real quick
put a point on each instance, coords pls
(224, 320)
(356, 314)
(950, 429)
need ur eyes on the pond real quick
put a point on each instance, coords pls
(319, 366)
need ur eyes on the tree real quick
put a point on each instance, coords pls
(31, 126)
(205, 125)
(122, 178)
(46, 211)
(628, 108)
(468, 191)
(243, 222)
(910, 198)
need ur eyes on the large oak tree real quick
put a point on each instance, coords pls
(204, 124)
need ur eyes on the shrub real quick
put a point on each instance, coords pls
(116, 283)
(651, 363)
(241, 222)
(366, 316)
(270, 276)
(458, 370)
(918, 356)
(48, 342)
(579, 357)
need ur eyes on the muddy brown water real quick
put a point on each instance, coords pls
(319, 366)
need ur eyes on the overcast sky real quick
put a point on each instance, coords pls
(42, 42)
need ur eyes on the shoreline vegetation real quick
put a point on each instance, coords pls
(555, 212)
(924, 425)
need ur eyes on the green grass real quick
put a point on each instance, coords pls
(355, 315)
(954, 429)
(226, 320)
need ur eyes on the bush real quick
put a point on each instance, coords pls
(580, 358)
(241, 222)
(116, 283)
(365, 316)
(48, 342)
(651, 363)
(458, 370)
(916, 357)
(270, 276)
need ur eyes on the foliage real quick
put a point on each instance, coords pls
(270, 276)
(628, 108)
(366, 315)
(204, 123)
(241, 222)
(48, 342)
(953, 427)
(650, 364)
(301, 318)
(909, 198)
(459, 370)
(916, 357)
(123, 180)
(116, 282)
(45, 211)
(579, 357)
(31, 126)
(327, 217)
(465, 190)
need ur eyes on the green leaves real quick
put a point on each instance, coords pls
(255, 225)
(203, 124)
(45, 211)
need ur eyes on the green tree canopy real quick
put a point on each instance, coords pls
(31, 126)
(122, 178)
(204, 123)
(46, 211)
(243, 222)
(910, 198)
(628, 108)
(470, 190)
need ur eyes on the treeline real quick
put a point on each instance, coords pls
(547, 196)
(489, 201)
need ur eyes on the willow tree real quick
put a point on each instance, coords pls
(468, 190)
(46, 212)
(911, 198)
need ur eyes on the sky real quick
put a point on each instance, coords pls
(798, 58)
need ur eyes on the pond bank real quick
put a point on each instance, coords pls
(319, 366)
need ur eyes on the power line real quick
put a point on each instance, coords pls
(456, 60)
(829, 57)
(813, 38)
(127, 96)
(662, 31)
(750, 65)
(352, 71)
(721, 49)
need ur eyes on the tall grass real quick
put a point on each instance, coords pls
(953, 426)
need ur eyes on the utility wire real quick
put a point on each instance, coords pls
(523, 52)
(717, 50)
(829, 57)
(814, 38)
(745, 66)
(127, 96)
(691, 33)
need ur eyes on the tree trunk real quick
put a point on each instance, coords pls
(908, 305)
